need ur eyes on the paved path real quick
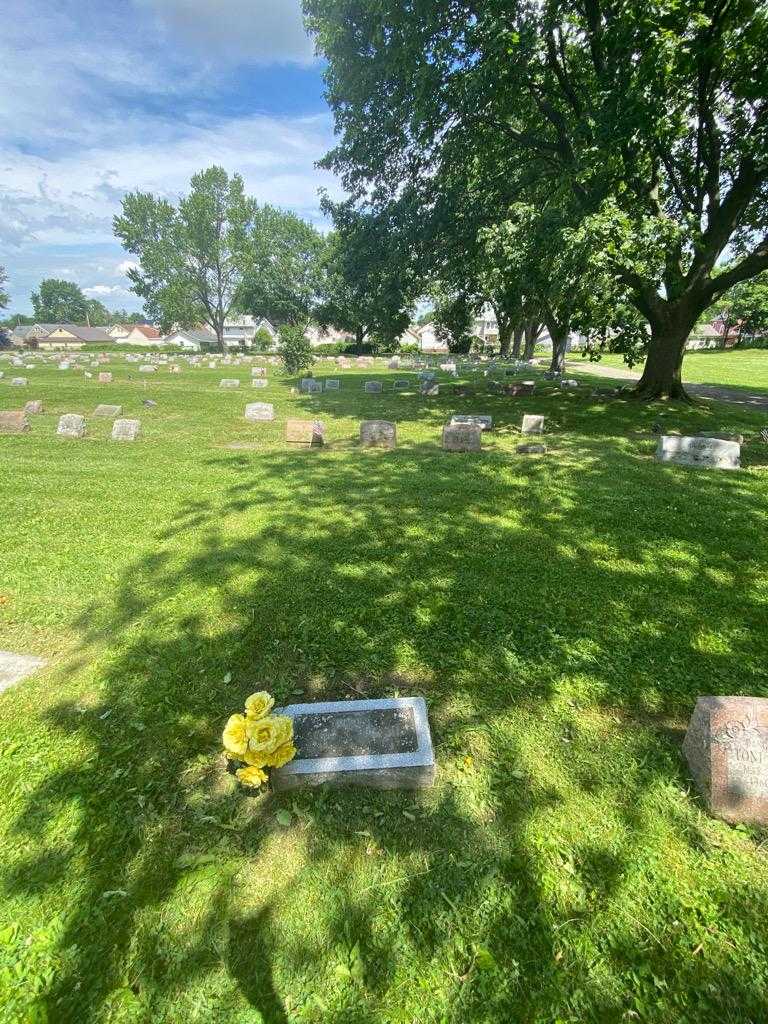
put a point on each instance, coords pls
(757, 400)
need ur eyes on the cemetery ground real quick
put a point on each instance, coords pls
(560, 614)
(734, 368)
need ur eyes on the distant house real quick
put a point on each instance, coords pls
(64, 336)
(119, 331)
(326, 336)
(240, 329)
(428, 339)
(704, 336)
(192, 340)
(142, 334)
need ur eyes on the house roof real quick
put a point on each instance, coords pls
(147, 330)
(78, 331)
(202, 337)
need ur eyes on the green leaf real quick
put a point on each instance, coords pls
(484, 959)
(284, 818)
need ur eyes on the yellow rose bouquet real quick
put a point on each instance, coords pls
(258, 740)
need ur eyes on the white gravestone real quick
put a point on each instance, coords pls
(229, 382)
(71, 425)
(259, 412)
(147, 369)
(703, 452)
(532, 425)
(126, 430)
(19, 382)
(484, 422)
(259, 382)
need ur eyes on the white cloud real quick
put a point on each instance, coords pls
(122, 268)
(100, 290)
(261, 31)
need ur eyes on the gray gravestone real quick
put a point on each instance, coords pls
(304, 383)
(462, 437)
(726, 747)
(32, 408)
(229, 382)
(19, 382)
(484, 422)
(372, 387)
(429, 389)
(259, 412)
(378, 434)
(14, 422)
(259, 382)
(401, 385)
(532, 425)
(108, 411)
(15, 667)
(126, 430)
(333, 384)
(385, 744)
(314, 387)
(531, 449)
(704, 452)
(71, 425)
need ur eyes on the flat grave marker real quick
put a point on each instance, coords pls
(383, 744)
(401, 385)
(378, 434)
(532, 425)
(531, 449)
(484, 422)
(19, 382)
(105, 378)
(229, 382)
(147, 369)
(701, 452)
(259, 412)
(15, 667)
(372, 387)
(333, 384)
(726, 747)
(33, 408)
(429, 389)
(108, 411)
(259, 382)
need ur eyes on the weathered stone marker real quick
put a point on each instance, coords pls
(384, 744)
(259, 412)
(429, 389)
(229, 382)
(484, 422)
(333, 384)
(532, 425)
(305, 432)
(462, 437)
(71, 425)
(105, 378)
(726, 747)
(33, 408)
(705, 452)
(531, 449)
(13, 422)
(372, 387)
(147, 369)
(401, 385)
(108, 411)
(126, 430)
(19, 382)
(259, 382)
(378, 434)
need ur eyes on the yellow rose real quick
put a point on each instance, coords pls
(283, 729)
(259, 705)
(252, 776)
(234, 737)
(282, 755)
(263, 735)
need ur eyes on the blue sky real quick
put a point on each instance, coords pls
(99, 97)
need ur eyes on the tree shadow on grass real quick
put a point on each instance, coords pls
(528, 601)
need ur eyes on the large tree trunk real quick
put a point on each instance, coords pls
(505, 339)
(359, 338)
(559, 338)
(662, 375)
(517, 343)
(532, 332)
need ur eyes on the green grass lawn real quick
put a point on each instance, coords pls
(559, 614)
(742, 368)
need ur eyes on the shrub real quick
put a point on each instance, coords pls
(295, 350)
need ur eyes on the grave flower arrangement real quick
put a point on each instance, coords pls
(258, 740)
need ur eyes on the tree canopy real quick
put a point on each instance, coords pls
(58, 301)
(649, 119)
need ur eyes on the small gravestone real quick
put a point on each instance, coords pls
(71, 425)
(126, 430)
(304, 383)
(462, 437)
(383, 744)
(19, 382)
(333, 384)
(174, 369)
(378, 434)
(401, 385)
(258, 371)
(259, 382)
(259, 412)
(310, 432)
(13, 422)
(372, 387)
(726, 747)
(147, 369)
(105, 378)
(532, 425)
(33, 408)
(484, 422)
(314, 387)
(702, 452)
(531, 449)
(15, 667)
(229, 382)
(568, 383)
(429, 389)
(108, 411)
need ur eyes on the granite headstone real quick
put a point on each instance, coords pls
(702, 452)
(378, 434)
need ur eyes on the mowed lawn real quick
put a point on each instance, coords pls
(560, 614)
(741, 368)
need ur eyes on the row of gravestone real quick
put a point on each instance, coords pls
(71, 424)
